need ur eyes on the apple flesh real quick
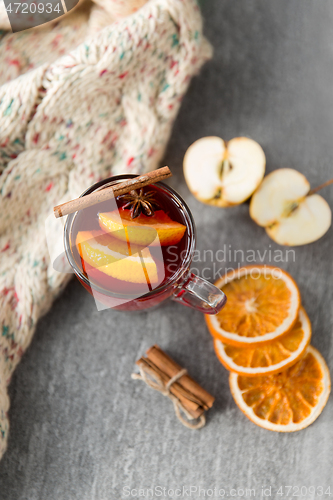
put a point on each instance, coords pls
(224, 174)
(291, 215)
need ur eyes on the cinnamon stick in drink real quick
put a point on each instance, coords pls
(111, 192)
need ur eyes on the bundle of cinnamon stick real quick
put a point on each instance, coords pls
(160, 367)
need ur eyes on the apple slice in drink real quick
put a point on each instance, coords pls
(142, 230)
(115, 258)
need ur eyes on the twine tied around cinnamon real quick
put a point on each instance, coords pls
(162, 374)
(165, 390)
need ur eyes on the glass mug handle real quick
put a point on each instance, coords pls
(199, 294)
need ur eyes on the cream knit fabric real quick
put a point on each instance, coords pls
(66, 122)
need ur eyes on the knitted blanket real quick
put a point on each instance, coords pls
(70, 118)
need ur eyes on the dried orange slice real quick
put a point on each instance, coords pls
(263, 304)
(116, 258)
(264, 359)
(287, 401)
(142, 230)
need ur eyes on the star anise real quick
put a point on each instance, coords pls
(140, 203)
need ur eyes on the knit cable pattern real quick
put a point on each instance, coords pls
(105, 107)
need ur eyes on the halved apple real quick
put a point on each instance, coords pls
(284, 205)
(224, 173)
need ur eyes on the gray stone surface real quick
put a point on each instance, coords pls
(80, 427)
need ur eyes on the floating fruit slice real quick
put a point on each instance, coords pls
(143, 230)
(288, 401)
(282, 204)
(263, 304)
(269, 358)
(116, 258)
(224, 174)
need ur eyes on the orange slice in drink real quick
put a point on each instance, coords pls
(143, 230)
(264, 359)
(287, 401)
(263, 304)
(116, 258)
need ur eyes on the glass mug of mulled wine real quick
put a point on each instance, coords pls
(134, 251)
